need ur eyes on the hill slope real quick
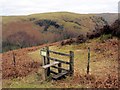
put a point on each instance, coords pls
(36, 29)
(109, 17)
(28, 70)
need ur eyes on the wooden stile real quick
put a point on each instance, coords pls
(45, 53)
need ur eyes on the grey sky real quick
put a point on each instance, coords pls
(24, 7)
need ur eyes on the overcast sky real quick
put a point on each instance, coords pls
(25, 7)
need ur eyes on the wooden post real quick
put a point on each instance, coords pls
(88, 65)
(59, 70)
(44, 75)
(14, 62)
(48, 60)
(43, 58)
(71, 63)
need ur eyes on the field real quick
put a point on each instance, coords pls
(27, 73)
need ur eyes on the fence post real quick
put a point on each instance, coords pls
(88, 65)
(44, 75)
(47, 60)
(71, 63)
(14, 62)
(59, 70)
(43, 58)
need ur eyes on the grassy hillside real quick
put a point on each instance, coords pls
(103, 66)
(36, 29)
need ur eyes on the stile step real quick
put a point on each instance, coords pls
(51, 64)
(59, 75)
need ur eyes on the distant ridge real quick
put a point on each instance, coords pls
(37, 29)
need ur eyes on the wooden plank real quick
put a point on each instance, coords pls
(61, 61)
(59, 75)
(49, 65)
(59, 53)
(59, 68)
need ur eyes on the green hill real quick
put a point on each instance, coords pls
(37, 29)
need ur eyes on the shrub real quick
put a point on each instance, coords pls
(80, 39)
(105, 37)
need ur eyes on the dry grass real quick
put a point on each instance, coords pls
(103, 67)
